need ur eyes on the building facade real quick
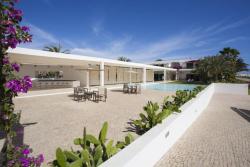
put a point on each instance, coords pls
(50, 69)
(184, 69)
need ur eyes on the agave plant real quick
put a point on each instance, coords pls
(152, 117)
(94, 150)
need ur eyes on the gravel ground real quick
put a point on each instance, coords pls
(54, 121)
(219, 137)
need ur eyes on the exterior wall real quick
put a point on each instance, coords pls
(118, 75)
(183, 75)
(112, 74)
(139, 75)
(94, 76)
(69, 73)
(150, 75)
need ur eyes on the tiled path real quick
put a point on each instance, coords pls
(219, 137)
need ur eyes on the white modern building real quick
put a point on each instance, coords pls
(51, 69)
(184, 69)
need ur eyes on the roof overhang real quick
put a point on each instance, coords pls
(39, 57)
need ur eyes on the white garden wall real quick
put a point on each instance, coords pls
(147, 150)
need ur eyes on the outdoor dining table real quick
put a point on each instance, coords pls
(89, 94)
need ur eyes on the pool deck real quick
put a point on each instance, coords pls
(219, 137)
(51, 118)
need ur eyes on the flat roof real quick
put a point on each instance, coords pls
(40, 57)
(173, 60)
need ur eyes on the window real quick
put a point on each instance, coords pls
(190, 65)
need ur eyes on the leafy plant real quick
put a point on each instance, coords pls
(152, 117)
(128, 140)
(94, 150)
(170, 105)
(155, 116)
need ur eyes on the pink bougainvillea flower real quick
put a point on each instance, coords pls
(15, 67)
(6, 60)
(11, 30)
(25, 28)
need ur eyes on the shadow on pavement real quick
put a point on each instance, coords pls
(242, 112)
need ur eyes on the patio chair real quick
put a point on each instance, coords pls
(79, 93)
(138, 89)
(88, 94)
(125, 88)
(132, 88)
(100, 96)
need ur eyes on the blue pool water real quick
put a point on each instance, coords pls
(170, 87)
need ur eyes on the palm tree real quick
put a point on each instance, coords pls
(123, 59)
(221, 67)
(229, 52)
(54, 48)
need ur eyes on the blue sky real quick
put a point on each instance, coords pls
(143, 30)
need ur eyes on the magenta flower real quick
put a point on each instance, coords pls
(19, 86)
(6, 60)
(15, 67)
(26, 151)
(39, 160)
(11, 30)
(25, 162)
(25, 28)
(12, 42)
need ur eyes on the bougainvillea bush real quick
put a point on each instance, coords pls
(12, 34)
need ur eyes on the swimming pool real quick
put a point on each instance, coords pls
(169, 87)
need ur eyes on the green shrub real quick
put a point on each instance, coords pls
(155, 116)
(94, 150)
(152, 117)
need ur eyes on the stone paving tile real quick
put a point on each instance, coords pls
(219, 137)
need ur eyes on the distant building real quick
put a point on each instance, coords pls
(185, 68)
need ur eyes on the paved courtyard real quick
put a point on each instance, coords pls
(52, 121)
(219, 137)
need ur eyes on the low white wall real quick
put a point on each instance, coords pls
(149, 148)
(241, 89)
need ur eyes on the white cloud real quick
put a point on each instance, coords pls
(41, 34)
(235, 39)
(189, 42)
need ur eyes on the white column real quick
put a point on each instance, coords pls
(87, 78)
(102, 74)
(165, 75)
(176, 75)
(130, 75)
(144, 75)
